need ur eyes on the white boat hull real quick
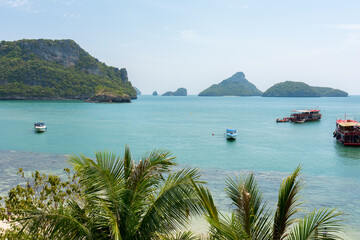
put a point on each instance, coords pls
(40, 129)
(230, 135)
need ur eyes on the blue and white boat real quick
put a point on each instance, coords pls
(230, 133)
(40, 127)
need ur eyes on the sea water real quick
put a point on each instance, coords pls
(193, 129)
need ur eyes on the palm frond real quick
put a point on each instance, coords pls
(187, 235)
(288, 202)
(318, 225)
(250, 209)
(57, 224)
(173, 204)
(227, 228)
(127, 163)
(104, 186)
(205, 198)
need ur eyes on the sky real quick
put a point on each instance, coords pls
(167, 44)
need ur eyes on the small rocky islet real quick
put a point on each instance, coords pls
(178, 92)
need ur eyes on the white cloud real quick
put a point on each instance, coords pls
(353, 27)
(14, 3)
(189, 35)
(70, 15)
(353, 38)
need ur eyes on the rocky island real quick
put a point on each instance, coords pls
(301, 89)
(59, 69)
(179, 92)
(155, 93)
(236, 85)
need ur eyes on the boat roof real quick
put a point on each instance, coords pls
(40, 123)
(230, 129)
(347, 123)
(306, 110)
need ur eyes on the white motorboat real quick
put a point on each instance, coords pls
(230, 133)
(40, 127)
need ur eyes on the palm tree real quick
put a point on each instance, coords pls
(122, 200)
(251, 218)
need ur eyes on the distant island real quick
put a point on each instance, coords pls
(236, 85)
(59, 69)
(155, 93)
(138, 92)
(331, 92)
(301, 89)
(179, 92)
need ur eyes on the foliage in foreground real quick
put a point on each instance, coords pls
(41, 191)
(117, 198)
(251, 219)
(121, 199)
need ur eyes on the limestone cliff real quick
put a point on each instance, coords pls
(57, 69)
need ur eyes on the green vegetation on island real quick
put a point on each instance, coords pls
(115, 197)
(300, 89)
(330, 92)
(178, 92)
(236, 85)
(57, 69)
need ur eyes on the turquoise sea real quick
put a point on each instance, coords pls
(193, 129)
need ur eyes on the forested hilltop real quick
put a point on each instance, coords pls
(58, 69)
(300, 89)
(236, 85)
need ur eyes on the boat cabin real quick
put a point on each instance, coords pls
(231, 130)
(39, 124)
(307, 115)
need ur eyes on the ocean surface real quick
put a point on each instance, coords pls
(193, 129)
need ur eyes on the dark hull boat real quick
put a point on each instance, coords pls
(300, 116)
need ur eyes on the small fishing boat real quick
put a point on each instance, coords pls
(40, 127)
(230, 133)
(285, 119)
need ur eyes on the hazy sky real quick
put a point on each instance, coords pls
(166, 44)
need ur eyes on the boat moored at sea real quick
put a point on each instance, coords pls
(285, 119)
(230, 133)
(40, 127)
(299, 116)
(347, 132)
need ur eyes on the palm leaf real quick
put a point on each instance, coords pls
(173, 204)
(187, 235)
(318, 225)
(250, 210)
(287, 204)
(58, 223)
